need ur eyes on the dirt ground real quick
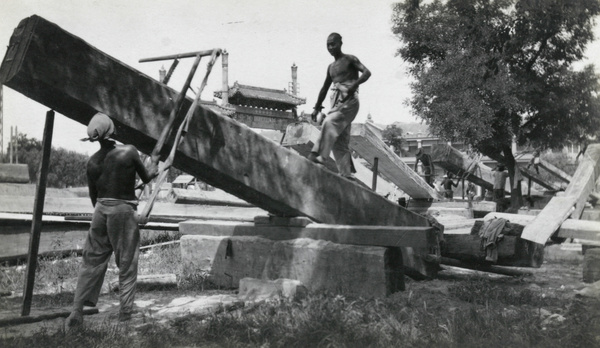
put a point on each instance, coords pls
(559, 279)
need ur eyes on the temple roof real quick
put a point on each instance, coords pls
(212, 105)
(261, 97)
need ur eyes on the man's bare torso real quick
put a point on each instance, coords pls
(343, 69)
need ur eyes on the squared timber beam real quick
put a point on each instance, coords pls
(366, 140)
(571, 203)
(458, 163)
(301, 136)
(65, 73)
(419, 238)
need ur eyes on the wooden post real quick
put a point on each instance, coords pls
(16, 145)
(38, 210)
(375, 172)
(10, 153)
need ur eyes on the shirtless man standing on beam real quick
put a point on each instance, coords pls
(114, 228)
(343, 73)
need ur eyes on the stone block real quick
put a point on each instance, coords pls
(223, 260)
(320, 265)
(591, 265)
(252, 289)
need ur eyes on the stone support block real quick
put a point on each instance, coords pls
(322, 266)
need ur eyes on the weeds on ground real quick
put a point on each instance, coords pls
(324, 320)
(102, 336)
(160, 260)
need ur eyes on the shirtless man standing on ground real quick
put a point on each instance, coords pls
(114, 228)
(343, 73)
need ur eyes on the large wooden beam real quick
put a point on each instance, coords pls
(528, 174)
(512, 250)
(458, 163)
(571, 203)
(366, 141)
(65, 73)
(302, 136)
(570, 228)
(419, 238)
(557, 172)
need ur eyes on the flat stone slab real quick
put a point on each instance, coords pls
(252, 289)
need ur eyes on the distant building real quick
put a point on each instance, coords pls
(258, 107)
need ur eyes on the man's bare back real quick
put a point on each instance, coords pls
(111, 172)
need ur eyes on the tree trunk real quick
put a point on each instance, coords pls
(516, 197)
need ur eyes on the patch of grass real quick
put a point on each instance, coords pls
(102, 336)
(50, 274)
(484, 292)
(149, 237)
(324, 320)
(160, 260)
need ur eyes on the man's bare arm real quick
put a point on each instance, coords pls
(364, 74)
(93, 190)
(322, 95)
(145, 175)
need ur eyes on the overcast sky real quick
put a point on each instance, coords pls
(263, 38)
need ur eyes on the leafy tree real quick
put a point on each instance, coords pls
(490, 71)
(392, 136)
(66, 168)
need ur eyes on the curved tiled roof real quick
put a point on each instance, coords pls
(244, 92)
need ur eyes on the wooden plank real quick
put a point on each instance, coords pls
(485, 268)
(420, 238)
(570, 228)
(366, 141)
(557, 172)
(184, 196)
(58, 237)
(571, 204)
(162, 211)
(65, 73)
(14, 246)
(41, 317)
(528, 174)
(38, 211)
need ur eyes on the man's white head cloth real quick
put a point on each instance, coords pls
(100, 127)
